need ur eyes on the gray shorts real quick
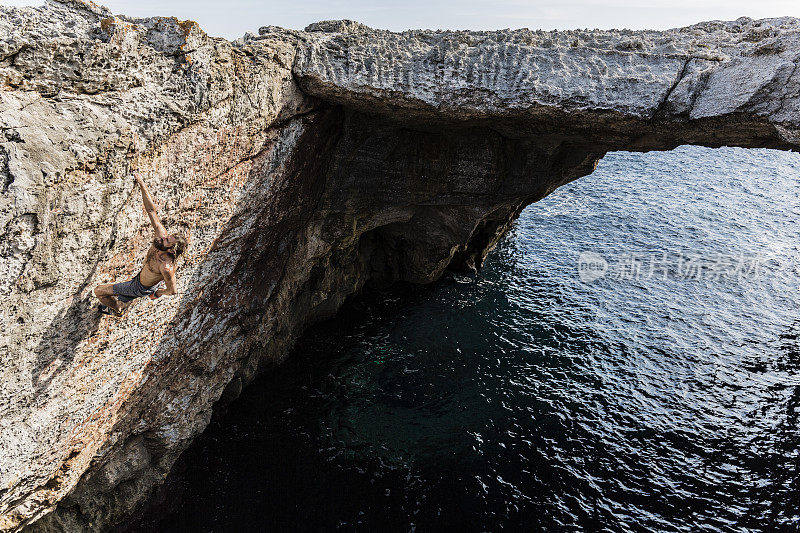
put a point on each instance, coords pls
(130, 290)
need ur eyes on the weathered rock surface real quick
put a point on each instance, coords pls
(304, 165)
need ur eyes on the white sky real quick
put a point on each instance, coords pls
(232, 18)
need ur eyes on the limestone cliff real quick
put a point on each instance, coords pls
(303, 165)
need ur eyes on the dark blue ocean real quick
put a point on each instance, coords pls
(627, 360)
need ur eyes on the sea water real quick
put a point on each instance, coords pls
(627, 360)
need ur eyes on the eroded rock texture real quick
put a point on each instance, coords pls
(304, 165)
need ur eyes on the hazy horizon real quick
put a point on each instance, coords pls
(237, 17)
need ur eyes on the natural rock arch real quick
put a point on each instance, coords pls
(304, 164)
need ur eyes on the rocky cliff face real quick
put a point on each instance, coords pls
(303, 165)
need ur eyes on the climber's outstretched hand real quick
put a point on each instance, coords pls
(150, 208)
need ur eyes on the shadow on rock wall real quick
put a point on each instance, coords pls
(59, 344)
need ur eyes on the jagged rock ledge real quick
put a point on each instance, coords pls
(304, 165)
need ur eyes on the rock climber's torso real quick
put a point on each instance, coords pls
(154, 261)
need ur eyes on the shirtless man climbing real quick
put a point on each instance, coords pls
(159, 265)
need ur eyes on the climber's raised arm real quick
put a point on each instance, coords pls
(150, 207)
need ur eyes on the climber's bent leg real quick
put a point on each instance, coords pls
(105, 293)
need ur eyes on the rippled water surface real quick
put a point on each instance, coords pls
(525, 398)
